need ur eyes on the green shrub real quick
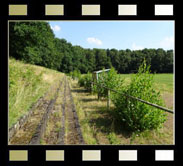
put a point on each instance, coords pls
(81, 81)
(76, 74)
(113, 139)
(86, 81)
(108, 80)
(136, 115)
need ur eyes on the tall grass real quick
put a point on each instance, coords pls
(27, 83)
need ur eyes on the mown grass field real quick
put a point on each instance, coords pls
(99, 125)
(163, 82)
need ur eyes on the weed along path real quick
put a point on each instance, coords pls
(53, 121)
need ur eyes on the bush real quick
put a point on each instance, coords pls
(108, 80)
(76, 74)
(81, 81)
(86, 81)
(136, 115)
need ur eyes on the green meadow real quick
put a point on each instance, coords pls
(163, 82)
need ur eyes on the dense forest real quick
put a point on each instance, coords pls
(35, 43)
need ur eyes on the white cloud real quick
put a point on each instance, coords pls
(56, 28)
(167, 43)
(92, 40)
(136, 47)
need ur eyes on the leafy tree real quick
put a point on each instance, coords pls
(102, 61)
(35, 43)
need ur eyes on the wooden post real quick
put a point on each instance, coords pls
(108, 99)
(92, 88)
(98, 96)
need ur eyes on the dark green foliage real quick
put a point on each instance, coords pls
(102, 60)
(136, 115)
(34, 42)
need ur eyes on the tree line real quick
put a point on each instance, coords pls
(35, 43)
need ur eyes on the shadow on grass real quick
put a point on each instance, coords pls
(89, 100)
(103, 121)
(79, 91)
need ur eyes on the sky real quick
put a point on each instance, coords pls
(121, 35)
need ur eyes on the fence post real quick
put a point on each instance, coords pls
(92, 88)
(108, 99)
(98, 95)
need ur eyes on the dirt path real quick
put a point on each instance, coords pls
(54, 120)
(54, 132)
(73, 131)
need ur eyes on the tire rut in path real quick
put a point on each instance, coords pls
(54, 132)
(41, 128)
(61, 135)
(24, 135)
(73, 134)
(34, 129)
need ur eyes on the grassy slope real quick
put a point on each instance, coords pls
(27, 83)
